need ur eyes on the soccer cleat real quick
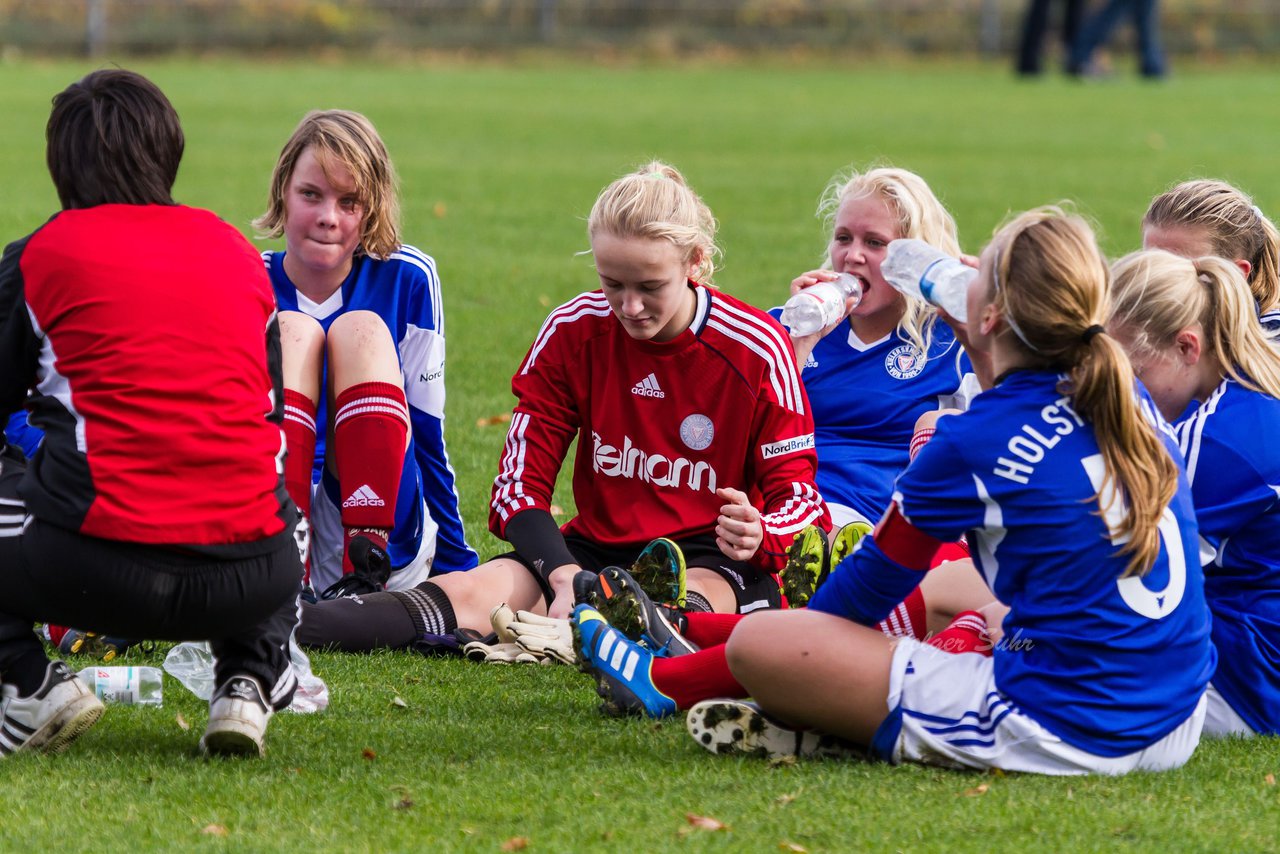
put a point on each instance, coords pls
(810, 560)
(739, 726)
(621, 600)
(622, 668)
(238, 717)
(101, 647)
(372, 569)
(661, 572)
(55, 715)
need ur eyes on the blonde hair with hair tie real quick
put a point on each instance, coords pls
(656, 202)
(1156, 295)
(1053, 288)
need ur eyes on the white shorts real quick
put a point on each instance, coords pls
(327, 541)
(1221, 720)
(842, 515)
(944, 687)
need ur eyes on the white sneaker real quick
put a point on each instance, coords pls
(237, 719)
(50, 719)
(739, 726)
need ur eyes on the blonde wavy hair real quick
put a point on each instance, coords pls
(656, 202)
(1235, 227)
(920, 215)
(1156, 294)
(349, 139)
(1050, 283)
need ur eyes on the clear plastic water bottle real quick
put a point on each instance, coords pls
(918, 269)
(192, 665)
(817, 307)
(126, 685)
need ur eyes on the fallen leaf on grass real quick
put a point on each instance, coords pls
(399, 701)
(791, 846)
(544, 301)
(782, 761)
(783, 800)
(493, 420)
(516, 843)
(1270, 779)
(404, 803)
(439, 210)
(368, 753)
(182, 722)
(213, 830)
(556, 510)
(976, 790)
(704, 822)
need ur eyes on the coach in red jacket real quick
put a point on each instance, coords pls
(145, 332)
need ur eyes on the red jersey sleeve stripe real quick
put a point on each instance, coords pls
(508, 487)
(591, 304)
(797, 512)
(766, 342)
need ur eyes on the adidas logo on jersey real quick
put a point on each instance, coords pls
(364, 497)
(648, 387)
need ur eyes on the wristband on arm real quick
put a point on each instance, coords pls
(537, 539)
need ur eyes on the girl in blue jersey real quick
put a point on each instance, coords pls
(1207, 217)
(1079, 518)
(888, 361)
(1190, 331)
(362, 332)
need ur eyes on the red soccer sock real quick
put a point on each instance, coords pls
(699, 676)
(300, 443)
(371, 427)
(707, 629)
(908, 620)
(56, 633)
(966, 633)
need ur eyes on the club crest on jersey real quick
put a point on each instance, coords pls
(904, 362)
(697, 431)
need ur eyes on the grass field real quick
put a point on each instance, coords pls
(499, 167)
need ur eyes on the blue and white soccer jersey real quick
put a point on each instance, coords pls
(404, 291)
(1234, 472)
(1109, 665)
(865, 400)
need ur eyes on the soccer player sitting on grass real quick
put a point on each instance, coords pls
(154, 506)
(362, 329)
(1079, 516)
(1191, 332)
(691, 422)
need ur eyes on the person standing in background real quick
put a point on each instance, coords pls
(1035, 26)
(1097, 28)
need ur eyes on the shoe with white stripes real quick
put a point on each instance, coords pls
(621, 667)
(55, 715)
(739, 726)
(238, 717)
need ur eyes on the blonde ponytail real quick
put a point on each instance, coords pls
(1051, 284)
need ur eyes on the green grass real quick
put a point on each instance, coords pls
(499, 167)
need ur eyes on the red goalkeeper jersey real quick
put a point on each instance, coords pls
(661, 426)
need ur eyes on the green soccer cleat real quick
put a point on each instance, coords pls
(661, 572)
(811, 559)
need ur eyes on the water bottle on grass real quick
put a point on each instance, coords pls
(917, 269)
(125, 685)
(816, 307)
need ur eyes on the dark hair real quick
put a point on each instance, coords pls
(113, 138)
